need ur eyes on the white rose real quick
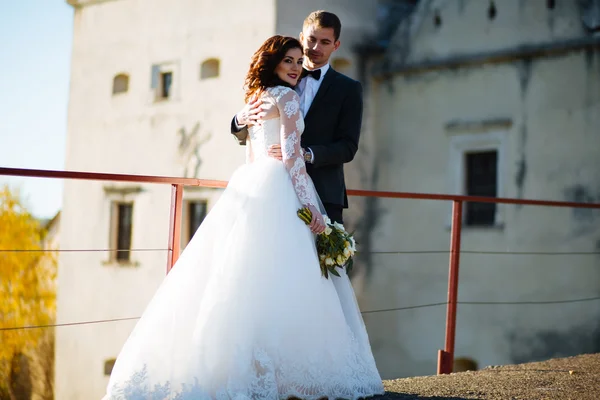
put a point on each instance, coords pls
(329, 261)
(339, 226)
(326, 218)
(352, 244)
(346, 252)
(340, 260)
(328, 230)
(321, 257)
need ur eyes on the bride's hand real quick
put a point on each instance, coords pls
(317, 225)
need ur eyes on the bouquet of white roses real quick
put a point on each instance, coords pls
(335, 246)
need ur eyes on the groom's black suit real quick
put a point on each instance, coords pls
(332, 131)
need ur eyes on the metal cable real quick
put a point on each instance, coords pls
(363, 312)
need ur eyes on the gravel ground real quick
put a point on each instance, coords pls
(572, 378)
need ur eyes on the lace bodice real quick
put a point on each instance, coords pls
(283, 125)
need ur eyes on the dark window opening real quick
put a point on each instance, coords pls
(124, 229)
(492, 11)
(196, 213)
(108, 366)
(166, 81)
(437, 19)
(481, 180)
(210, 69)
(120, 84)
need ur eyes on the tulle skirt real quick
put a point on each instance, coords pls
(245, 312)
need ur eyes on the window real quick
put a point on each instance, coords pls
(210, 69)
(164, 81)
(194, 212)
(109, 365)
(120, 84)
(492, 12)
(122, 231)
(341, 65)
(481, 173)
(476, 168)
(119, 203)
(437, 19)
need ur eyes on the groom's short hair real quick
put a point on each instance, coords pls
(324, 19)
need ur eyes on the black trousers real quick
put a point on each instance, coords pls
(334, 212)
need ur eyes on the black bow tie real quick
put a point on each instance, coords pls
(315, 74)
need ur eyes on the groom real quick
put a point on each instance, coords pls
(332, 107)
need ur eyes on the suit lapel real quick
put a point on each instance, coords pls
(327, 80)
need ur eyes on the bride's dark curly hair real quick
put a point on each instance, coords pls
(263, 63)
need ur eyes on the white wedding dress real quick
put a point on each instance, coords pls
(245, 312)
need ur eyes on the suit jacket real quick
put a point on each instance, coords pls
(332, 130)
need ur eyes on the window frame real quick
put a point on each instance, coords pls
(114, 196)
(207, 65)
(186, 234)
(474, 142)
(116, 231)
(157, 71)
(127, 80)
(467, 205)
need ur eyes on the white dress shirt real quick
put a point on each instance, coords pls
(307, 89)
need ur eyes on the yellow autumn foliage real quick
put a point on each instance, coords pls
(27, 283)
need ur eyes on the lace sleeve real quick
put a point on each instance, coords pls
(292, 125)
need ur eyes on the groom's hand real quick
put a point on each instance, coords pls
(251, 114)
(274, 151)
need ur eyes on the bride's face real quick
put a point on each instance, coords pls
(290, 68)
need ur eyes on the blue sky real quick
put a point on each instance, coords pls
(35, 54)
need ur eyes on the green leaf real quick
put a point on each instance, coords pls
(350, 265)
(323, 270)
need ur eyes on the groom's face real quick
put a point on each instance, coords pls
(319, 43)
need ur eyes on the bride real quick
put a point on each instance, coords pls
(245, 312)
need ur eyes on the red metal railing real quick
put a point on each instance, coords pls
(177, 185)
(445, 356)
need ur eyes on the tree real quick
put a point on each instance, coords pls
(27, 293)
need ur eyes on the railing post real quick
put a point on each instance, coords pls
(174, 225)
(446, 356)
